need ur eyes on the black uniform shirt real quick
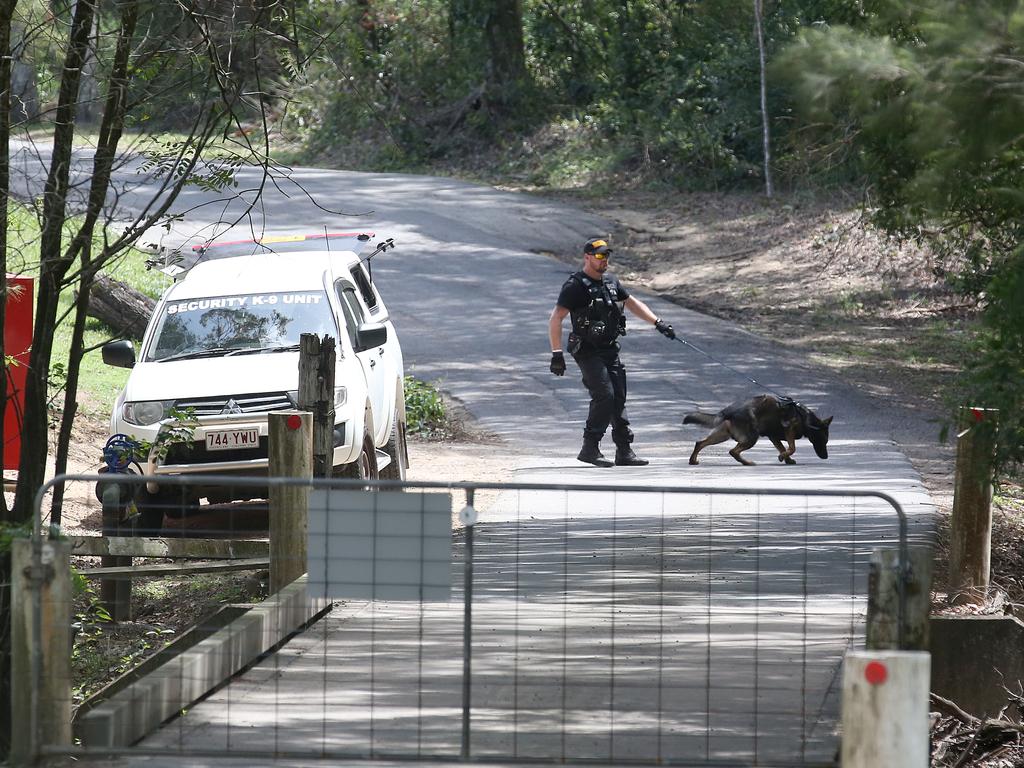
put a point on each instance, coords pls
(575, 295)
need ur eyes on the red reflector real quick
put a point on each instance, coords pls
(294, 421)
(876, 673)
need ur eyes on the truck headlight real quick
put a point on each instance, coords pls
(340, 397)
(145, 412)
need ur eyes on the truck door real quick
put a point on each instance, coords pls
(371, 360)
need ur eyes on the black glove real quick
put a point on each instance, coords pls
(558, 363)
(664, 329)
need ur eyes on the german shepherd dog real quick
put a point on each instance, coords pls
(777, 418)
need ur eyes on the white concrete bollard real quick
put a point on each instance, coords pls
(885, 709)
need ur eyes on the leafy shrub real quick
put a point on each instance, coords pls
(425, 411)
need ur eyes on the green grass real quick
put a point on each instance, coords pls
(98, 383)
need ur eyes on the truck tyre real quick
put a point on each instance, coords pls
(397, 450)
(364, 467)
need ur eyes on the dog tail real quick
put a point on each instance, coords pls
(707, 419)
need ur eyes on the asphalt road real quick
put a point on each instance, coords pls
(470, 285)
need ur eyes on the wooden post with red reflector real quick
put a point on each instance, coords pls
(970, 536)
(885, 709)
(291, 455)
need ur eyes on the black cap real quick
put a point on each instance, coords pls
(596, 245)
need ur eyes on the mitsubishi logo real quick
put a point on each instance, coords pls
(231, 407)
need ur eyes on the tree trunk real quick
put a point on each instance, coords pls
(53, 265)
(6, 74)
(124, 309)
(134, 310)
(759, 26)
(24, 94)
(67, 418)
(507, 53)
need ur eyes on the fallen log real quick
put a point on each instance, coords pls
(124, 309)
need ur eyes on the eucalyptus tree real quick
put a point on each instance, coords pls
(927, 104)
(200, 71)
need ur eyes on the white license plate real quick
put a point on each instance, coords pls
(225, 440)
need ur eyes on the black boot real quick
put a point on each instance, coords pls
(591, 454)
(624, 457)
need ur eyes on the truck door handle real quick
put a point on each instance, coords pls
(380, 352)
(373, 363)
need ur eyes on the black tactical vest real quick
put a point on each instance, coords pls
(601, 321)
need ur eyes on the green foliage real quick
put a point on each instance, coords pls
(996, 371)
(425, 411)
(669, 88)
(9, 532)
(180, 430)
(903, 105)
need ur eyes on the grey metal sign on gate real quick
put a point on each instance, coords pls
(380, 545)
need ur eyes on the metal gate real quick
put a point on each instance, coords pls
(586, 624)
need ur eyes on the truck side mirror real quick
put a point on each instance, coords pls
(370, 335)
(119, 353)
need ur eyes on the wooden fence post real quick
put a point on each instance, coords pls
(885, 709)
(883, 631)
(291, 455)
(115, 594)
(41, 708)
(316, 394)
(970, 538)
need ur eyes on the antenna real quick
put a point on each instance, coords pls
(381, 248)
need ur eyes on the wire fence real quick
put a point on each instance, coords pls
(576, 624)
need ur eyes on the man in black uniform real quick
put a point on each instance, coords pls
(595, 300)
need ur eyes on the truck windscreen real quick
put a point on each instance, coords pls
(239, 324)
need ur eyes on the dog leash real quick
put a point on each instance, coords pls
(730, 368)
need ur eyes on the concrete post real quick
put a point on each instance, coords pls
(883, 629)
(885, 709)
(970, 537)
(40, 672)
(291, 455)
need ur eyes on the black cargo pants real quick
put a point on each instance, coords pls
(604, 376)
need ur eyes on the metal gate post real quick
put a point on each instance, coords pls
(468, 518)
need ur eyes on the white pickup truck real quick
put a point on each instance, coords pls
(222, 345)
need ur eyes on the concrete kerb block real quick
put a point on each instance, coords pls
(885, 709)
(975, 659)
(141, 707)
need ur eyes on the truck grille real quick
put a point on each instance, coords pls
(196, 453)
(258, 403)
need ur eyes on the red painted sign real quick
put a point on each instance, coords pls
(17, 341)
